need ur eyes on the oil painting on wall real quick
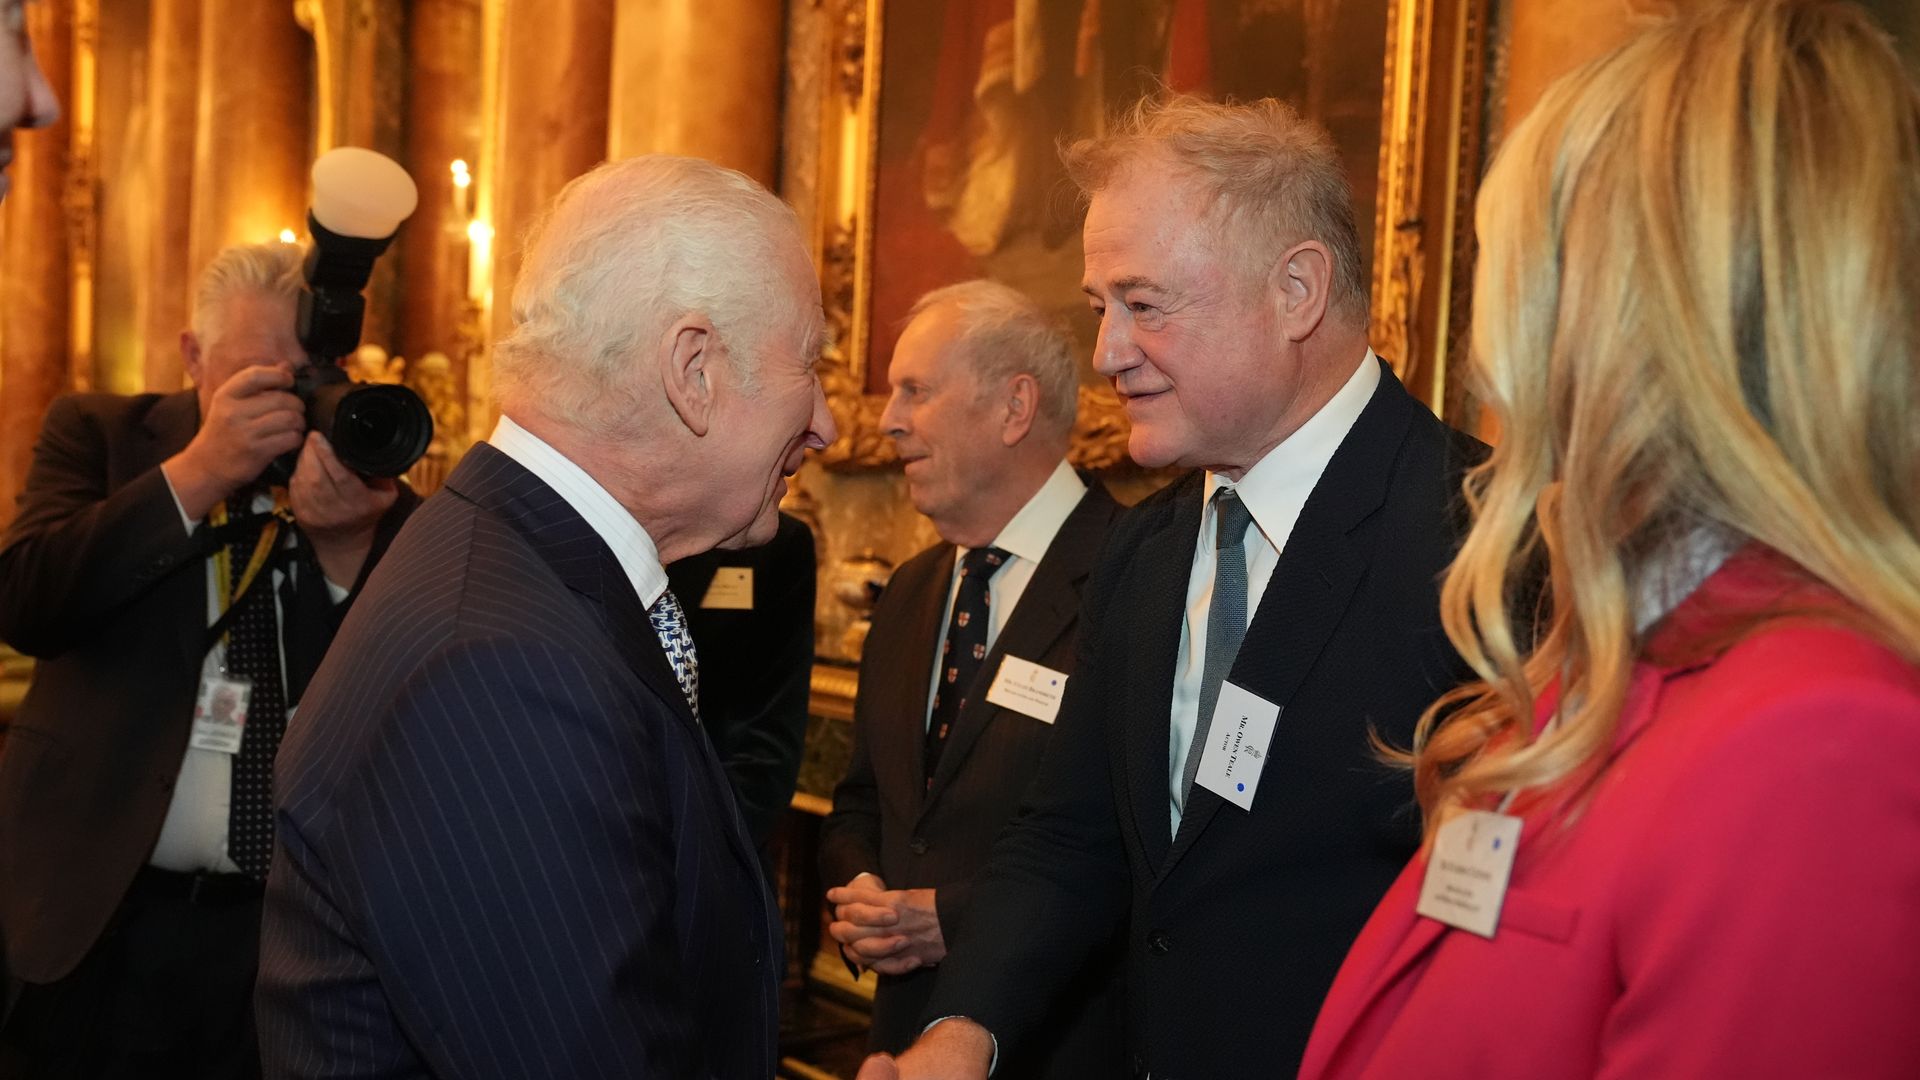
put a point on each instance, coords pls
(975, 95)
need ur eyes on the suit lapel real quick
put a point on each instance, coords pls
(1047, 608)
(900, 761)
(1157, 613)
(579, 557)
(1311, 585)
(1397, 936)
(588, 567)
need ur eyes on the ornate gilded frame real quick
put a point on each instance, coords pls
(1433, 98)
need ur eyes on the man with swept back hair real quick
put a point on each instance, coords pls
(984, 399)
(1214, 794)
(508, 848)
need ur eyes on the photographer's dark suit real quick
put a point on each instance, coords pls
(102, 583)
(888, 820)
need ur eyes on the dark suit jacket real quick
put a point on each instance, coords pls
(100, 582)
(506, 849)
(1234, 929)
(885, 820)
(756, 668)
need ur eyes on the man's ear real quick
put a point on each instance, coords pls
(1303, 281)
(1022, 404)
(686, 352)
(190, 356)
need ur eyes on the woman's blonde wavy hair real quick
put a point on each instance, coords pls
(1697, 307)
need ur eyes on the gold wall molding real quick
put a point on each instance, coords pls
(1431, 148)
(82, 198)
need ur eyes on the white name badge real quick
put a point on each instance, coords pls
(1236, 749)
(1028, 689)
(220, 714)
(731, 589)
(1467, 870)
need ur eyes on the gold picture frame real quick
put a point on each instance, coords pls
(1433, 99)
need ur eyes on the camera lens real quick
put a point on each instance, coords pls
(380, 430)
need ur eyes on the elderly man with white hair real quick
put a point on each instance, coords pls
(508, 848)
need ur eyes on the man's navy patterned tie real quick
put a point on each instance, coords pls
(966, 647)
(670, 623)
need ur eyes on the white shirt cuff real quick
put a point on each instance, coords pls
(185, 521)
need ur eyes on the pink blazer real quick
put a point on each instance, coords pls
(1740, 898)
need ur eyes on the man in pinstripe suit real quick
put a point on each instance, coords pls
(507, 846)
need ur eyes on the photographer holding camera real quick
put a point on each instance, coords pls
(167, 590)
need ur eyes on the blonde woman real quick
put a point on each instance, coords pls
(1680, 834)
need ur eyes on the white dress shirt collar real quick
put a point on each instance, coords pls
(1025, 537)
(603, 513)
(1029, 533)
(1276, 487)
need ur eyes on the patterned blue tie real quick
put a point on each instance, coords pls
(670, 623)
(965, 650)
(1226, 620)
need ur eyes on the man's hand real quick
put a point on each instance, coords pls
(337, 509)
(251, 420)
(956, 1049)
(866, 879)
(891, 931)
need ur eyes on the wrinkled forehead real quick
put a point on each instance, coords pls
(1131, 234)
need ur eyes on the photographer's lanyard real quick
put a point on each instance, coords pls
(230, 596)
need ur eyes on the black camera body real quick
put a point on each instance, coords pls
(375, 429)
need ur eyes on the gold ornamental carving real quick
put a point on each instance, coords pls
(850, 49)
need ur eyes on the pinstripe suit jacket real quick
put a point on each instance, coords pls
(506, 847)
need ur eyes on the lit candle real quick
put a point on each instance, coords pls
(479, 260)
(462, 183)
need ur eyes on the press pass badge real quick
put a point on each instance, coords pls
(730, 590)
(220, 714)
(1467, 870)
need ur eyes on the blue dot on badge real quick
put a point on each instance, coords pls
(1496, 843)
(1239, 787)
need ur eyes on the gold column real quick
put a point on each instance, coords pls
(444, 54)
(173, 82)
(550, 126)
(251, 150)
(699, 77)
(35, 282)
